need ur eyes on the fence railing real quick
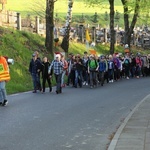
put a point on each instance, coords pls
(14, 20)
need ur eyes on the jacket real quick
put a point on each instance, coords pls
(4, 70)
(35, 66)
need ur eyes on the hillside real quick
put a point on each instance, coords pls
(19, 46)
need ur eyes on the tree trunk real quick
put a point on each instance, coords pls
(129, 29)
(126, 22)
(112, 31)
(49, 25)
(65, 41)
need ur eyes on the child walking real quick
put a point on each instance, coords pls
(45, 75)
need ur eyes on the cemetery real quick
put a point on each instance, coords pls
(98, 34)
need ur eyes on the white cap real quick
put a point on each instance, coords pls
(57, 55)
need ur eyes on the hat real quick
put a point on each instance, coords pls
(57, 56)
(102, 57)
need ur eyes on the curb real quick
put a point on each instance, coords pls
(114, 141)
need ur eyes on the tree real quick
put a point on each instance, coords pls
(49, 25)
(47, 12)
(65, 41)
(129, 27)
(111, 15)
(112, 31)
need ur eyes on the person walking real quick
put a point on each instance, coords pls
(85, 60)
(57, 66)
(4, 77)
(116, 67)
(45, 76)
(126, 64)
(92, 70)
(78, 71)
(111, 69)
(65, 63)
(138, 65)
(102, 69)
(35, 67)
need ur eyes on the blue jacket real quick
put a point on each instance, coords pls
(102, 66)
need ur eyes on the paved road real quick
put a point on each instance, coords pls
(77, 119)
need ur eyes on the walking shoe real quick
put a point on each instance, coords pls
(50, 89)
(5, 103)
(75, 86)
(57, 92)
(1, 103)
(86, 84)
(42, 92)
(34, 91)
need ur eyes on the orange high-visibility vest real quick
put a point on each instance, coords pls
(4, 70)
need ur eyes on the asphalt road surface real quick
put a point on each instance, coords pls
(77, 119)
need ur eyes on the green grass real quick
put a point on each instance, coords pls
(61, 6)
(26, 7)
(19, 46)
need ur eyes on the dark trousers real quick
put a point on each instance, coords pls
(110, 74)
(127, 70)
(44, 82)
(78, 78)
(71, 78)
(36, 81)
(101, 77)
(93, 78)
(58, 82)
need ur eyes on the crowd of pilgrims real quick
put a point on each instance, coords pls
(90, 70)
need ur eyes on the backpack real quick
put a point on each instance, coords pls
(126, 62)
(95, 63)
(65, 65)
